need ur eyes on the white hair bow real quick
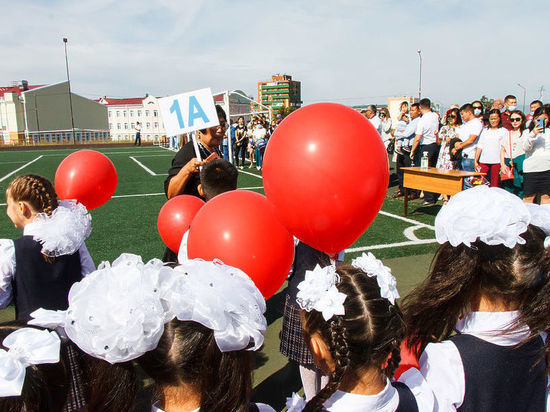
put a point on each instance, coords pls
(26, 346)
(374, 267)
(318, 292)
(295, 403)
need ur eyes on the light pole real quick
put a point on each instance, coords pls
(69, 84)
(523, 96)
(419, 74)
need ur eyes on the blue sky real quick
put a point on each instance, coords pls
(346, 51)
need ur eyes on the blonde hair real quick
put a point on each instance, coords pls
(36, 190)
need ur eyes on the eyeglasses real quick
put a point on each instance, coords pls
(451, 116)
(476, 107)
(515, 119)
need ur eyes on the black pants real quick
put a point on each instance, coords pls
(433, 152)
(407, 162)
(241, 151)
(138, 139)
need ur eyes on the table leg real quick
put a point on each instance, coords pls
(405, 202)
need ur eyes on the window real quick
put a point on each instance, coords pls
(125, 126)
(110, 125)
(148, 125)
(132, 126)
(131, 113)
(146, 112)
(124, 113)
(110, 113)
(155, 113)
(139, 113)
(117, 113)
(118, 126)
(156, 125)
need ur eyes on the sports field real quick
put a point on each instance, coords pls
(127, 223)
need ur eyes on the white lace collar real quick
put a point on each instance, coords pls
(490, 326)
(64, 231)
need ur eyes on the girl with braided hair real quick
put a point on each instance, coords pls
(354, 329)
(38, 269)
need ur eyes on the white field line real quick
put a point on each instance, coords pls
(157, 155)
(251, 174)
(19, 168)
(409, 232)
(105, 153)
(405, 219)
(14, 162)
(391, 245)
(147, 169)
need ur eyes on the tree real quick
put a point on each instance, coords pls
(286, 110)
(486, 102)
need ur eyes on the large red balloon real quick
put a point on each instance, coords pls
(87, 176)
(174, 219)
(242, 230)
(326, 172)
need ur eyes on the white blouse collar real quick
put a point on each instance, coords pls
(490, 326)
(345, 401)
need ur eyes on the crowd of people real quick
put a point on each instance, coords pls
(510, 147)
(248, 140)
(472, 336)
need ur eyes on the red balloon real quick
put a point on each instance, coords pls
(86, 176)
(326, 172)
(174, 219)
(242, 230)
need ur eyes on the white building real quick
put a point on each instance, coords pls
(123, 114)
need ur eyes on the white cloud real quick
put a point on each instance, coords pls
(350, 51)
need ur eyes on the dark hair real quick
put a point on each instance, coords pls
(495, 111)
(415, 105)
(536, 102)
(510, 96)
(467, 108)
(404, 102)
(221, 115)
(370, 331)
(540, 111)
(187, 353)
(522, 125)
(481, 104)
(371, 107)
(425, 103)
(460, 274)
(36, 190)
(45, 387)
(457, 113)
(218, 176)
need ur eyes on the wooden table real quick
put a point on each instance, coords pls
(447, 182)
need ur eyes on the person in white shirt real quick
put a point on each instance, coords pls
(385, 126)
(512, 154)
(138, 134)
(425, 141)
(536, 167)
(370, 113)
(469, 134)
(487, 283)
(487, 158)
(354, 328)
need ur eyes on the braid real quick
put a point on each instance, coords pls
(339, 347)
(36, 190)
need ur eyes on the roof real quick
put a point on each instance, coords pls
(119, 102)
(17, 89)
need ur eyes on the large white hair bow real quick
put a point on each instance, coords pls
(318, 292)
(224, 299)
(26, 346)
(490, 214)
(62, 232)
(118, 312)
